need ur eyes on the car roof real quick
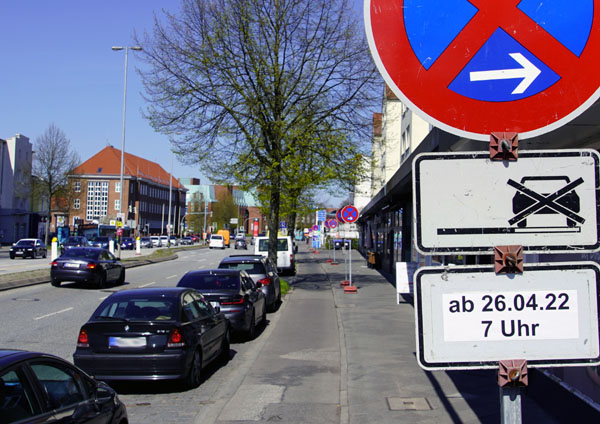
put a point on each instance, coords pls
(216, 271)
(153, 291)
(243, 258)
(10, 356)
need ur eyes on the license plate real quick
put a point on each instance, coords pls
(127, 342)
(18, 253)
(71, 265)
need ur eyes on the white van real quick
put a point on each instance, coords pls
(286, 258)
(217, 241)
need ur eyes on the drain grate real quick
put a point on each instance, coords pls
(408, 404)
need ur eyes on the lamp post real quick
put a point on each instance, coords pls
(117, 48)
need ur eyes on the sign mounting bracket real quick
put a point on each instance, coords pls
(504, 146)
(508, 259)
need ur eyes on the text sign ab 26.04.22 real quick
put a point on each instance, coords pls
(472, 318)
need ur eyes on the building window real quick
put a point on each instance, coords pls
(76, 204)
(118, 187)
(77, 186)
(118, 205)
(97, 199)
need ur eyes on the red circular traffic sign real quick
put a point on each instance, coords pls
(349, 214)
(339, 216)
(333, 224)
(451, 62)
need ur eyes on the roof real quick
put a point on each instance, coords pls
(108, 162)
(154, 291)
(243, 258)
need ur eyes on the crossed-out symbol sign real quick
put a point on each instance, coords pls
(350, 213)
(472, 67)
(563, 201)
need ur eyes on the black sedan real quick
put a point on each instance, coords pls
(234, 292)
(42, 388)
(28, 248)
(152, 334)
(87, 264)
(240, 244)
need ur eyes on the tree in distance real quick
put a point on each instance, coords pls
(53, 161)
(246, 88)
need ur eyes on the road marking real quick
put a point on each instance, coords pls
(172, 276)
(53, 313)
(149, 284)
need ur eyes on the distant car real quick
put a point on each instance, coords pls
(152, 334)
(187, 241)
(74, 241)
(102, 242)
(239, 236)
(41, 388)
(174, 241)
(28, 248)
(234, 292)
(155, 241)
(261, 270)
(146, 243)
(240, 244)
(128, 243)
(87, 264)
(164, 241)
(216, 241)
(195, 238)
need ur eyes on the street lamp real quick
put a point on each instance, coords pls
(117, 48)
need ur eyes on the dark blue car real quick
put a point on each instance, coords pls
(38, 387)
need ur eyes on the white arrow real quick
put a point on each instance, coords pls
(528, 71)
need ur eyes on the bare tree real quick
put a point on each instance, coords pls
(242, 82)
(53, 160)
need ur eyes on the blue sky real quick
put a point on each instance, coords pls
(58, 67)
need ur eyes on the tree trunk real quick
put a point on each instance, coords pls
(274, 215)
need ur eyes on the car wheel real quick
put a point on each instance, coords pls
(121, 279)
(225, 348)
(264, 314)
(102, 281)
(12, 256)
(44, 254)
(195, 371)
(252, 328)
(55, 283)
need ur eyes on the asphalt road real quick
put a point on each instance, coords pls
(47, 319)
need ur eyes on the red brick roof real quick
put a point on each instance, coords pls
(108, 162)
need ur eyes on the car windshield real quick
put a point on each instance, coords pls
(147, 308)
(250, 268)
(210, 282)
(81, 253)
(22, 243)
(73, 240)
(217, 237)
(282, 245)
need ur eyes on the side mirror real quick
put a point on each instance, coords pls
(104, 394)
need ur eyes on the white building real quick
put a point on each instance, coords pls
(15, 188)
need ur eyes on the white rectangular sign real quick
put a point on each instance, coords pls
(470, 317)
(546, 200)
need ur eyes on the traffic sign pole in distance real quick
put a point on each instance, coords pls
(476, 67)
(472, 317)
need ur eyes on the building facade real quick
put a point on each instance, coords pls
(15, 188)
(152, 198)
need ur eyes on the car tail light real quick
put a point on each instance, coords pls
(82, 340)
(90, 266)
(176, 339)
(54, 263)
(265, 281)
(237, 300)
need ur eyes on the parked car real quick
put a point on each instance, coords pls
(87, 264)
(102, 242)
(195, 238)
(155, 241)
(240, 244)
(174, 241)
(261, 270)
(128, 243)
(216, 241)
(38, 387)
(234, 292)
(146, 243)
(187, 241)
(164, 241)
(28, 248)
(152, 334)
(74, 241)
(239, 236)
(286, 257)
